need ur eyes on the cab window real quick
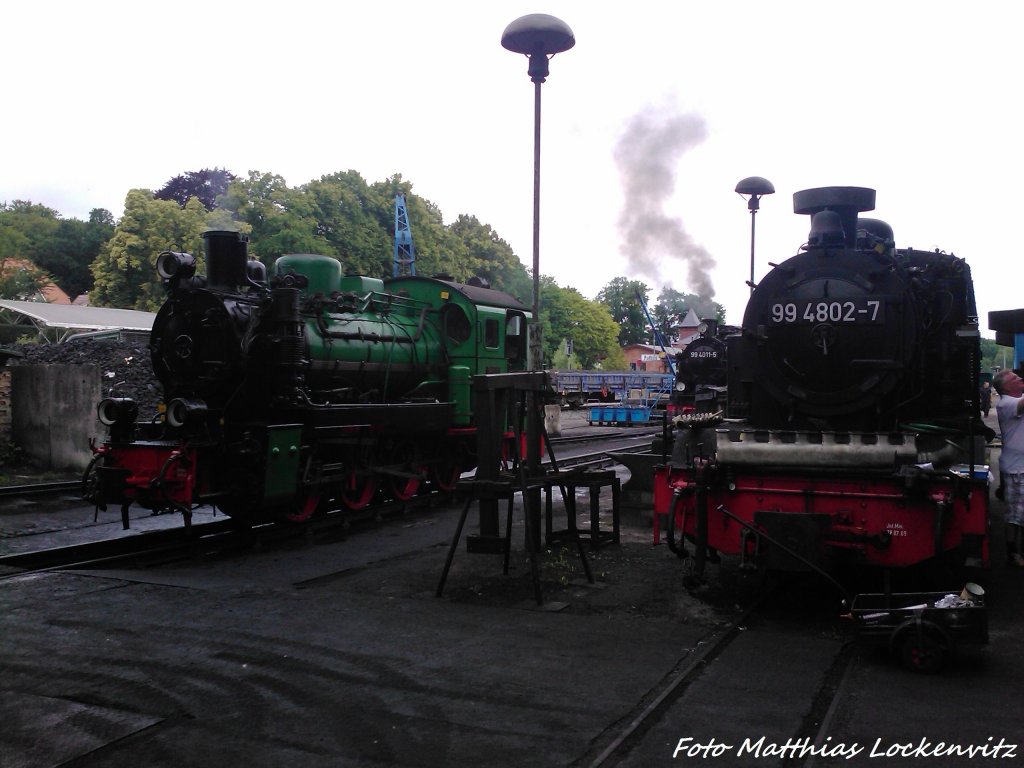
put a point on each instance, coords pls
(457, 327)
(515, 337)
(492, 339)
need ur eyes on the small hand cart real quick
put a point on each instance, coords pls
(924, 628)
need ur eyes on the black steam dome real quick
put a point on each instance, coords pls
(847, 202)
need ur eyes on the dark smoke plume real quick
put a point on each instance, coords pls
(647, 154)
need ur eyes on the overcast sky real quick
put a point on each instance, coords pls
(662, 105)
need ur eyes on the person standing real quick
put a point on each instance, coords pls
(1010, 412)
(986, 398)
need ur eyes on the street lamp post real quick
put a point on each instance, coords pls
(539, 37)
(756, 187)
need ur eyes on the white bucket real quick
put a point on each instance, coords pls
(972, 592)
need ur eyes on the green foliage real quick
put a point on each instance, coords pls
(339, 215)
(26, 229)
(62, 248)
(994, 356)
(565, 313)
(493, 259)
(21, 281)
(342, 216)
(124, 272)
(207, 185)
(620, 297)
(673, 305)
(12, 240)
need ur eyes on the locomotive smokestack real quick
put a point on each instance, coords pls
(843, 203)
(226, 258)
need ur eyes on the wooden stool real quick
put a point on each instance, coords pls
(506, 489)
(594, 480)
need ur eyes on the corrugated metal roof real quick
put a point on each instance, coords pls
(83, 318)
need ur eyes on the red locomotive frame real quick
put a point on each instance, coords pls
(789, 519)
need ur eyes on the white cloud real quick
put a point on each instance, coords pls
(917, 100)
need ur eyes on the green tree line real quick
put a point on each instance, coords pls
(340, 215)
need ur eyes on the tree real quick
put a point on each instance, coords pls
(125, 272)
(74, 247)
(353, 221)
(21, 280)
(994, 356)
(35, 226)
(492, 258)
(280, 220)
(673, 305)
(207, 184)
(620, 297)
(63, 248)
(12, 241)
(439, 249)
(566, 314)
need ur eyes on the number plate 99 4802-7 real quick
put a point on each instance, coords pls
(852, 311)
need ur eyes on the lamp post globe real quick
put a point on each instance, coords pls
(537, 36)
(755, 187)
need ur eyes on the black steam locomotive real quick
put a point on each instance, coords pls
(701, 372)
(855, 334)
(852, 432)
(305, 390)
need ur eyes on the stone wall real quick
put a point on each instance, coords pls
(5, 406)
(53, 410)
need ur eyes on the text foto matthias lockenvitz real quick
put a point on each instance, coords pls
(689, 748)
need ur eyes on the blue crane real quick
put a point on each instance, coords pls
(657, 334)
(405, 252)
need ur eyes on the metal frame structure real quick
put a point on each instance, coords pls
(57, 323)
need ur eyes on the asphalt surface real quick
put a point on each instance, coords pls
(340, 654)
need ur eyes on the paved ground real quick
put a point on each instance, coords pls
(339, 654)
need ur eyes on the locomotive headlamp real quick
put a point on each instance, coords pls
(117, 410)
(181, 411)
(172, 264)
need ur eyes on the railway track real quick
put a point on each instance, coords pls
(43, 489)
(37, 490)
(176, 542)
(783, 615)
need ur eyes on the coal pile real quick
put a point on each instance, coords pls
(125, 366)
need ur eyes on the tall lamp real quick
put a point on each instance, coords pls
(755, 187)
(538, 36)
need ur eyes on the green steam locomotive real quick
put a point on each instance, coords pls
(289, 394)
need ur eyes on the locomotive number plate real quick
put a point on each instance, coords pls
(850, 311)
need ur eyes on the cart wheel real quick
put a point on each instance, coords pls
(922, 652)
